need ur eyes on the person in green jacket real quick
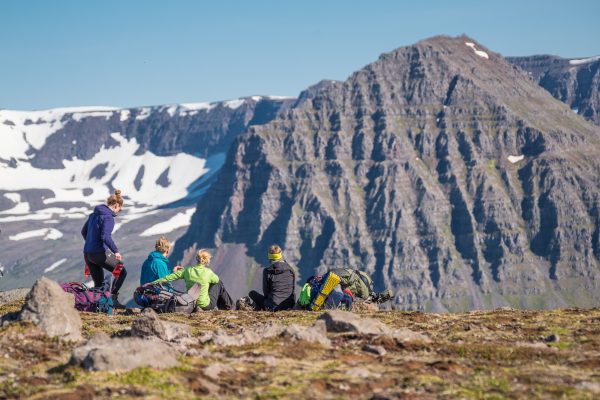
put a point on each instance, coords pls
(212, 290)
(156, 265)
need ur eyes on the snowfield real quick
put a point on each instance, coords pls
(55, 265)
(46, 233)
(584, 60)
(122, 168)
(180, 220)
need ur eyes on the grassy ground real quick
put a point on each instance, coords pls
(491, 355)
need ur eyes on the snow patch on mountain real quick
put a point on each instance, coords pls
(280, 97)
(480, 53)
(584, 60)
(79, 116)
(46, 233)
(233, 104)
(55, 265)
(21, 130)
(178, 221)
(122, 168)
(131, 214)
(124, 115)
(515, 159)
(19, 208)
(143, 114)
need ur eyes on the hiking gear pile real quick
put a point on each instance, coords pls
(330, 281)
(163, 298)
(90, 299)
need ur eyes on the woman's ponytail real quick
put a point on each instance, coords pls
(115, 199)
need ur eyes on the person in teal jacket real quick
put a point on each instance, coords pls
(212, 290)
(156, 265)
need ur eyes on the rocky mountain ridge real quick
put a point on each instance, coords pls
(441, 169)
(573, 81)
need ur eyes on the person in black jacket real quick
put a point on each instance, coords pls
(279, 284)
(100, 251)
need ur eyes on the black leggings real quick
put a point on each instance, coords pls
(263, 303)
(219, 297)
(97, 263)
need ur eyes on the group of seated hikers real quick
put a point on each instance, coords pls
(338, 288)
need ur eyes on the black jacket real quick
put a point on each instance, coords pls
(279, 286)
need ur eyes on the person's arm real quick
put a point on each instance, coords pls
(213, 278)
(266, 288)
(171, 277)
(85, 228)
(106, 227)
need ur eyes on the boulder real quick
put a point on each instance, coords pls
(13, 295)
(246, 336)
(149, 324)
(316, 333)
(52, 310)
(406, 335)
(348, 322)
(102, 353)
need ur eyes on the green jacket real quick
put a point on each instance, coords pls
(352, 281)
(191, 275)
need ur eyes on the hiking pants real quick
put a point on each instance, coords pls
(97, 263)
(258, 299)
(219, 298)
(263, 303)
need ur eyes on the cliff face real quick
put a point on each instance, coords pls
(441, 169)
(575, 82)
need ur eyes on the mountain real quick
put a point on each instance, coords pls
(573, 81)
(55, 165)
(441, 169)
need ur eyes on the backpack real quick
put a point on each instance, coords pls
(89, 299)
(163, 298)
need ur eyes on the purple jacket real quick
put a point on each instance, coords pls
(97, 231)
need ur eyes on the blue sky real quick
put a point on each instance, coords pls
(132, 53)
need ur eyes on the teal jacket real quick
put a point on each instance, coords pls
(155, 267)
(196, 274)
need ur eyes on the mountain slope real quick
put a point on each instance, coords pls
(55, 165)
(440, 168)
(575, 82)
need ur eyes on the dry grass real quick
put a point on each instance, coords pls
(496, 354)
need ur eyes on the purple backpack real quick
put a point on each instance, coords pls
(89, 299)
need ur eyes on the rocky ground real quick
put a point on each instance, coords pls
(497, 354)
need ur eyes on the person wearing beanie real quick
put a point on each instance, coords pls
(279, 284)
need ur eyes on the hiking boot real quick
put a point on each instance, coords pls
(116, 303)
(244, 304)
(383, 296)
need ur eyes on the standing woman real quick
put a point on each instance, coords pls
(100, 251)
